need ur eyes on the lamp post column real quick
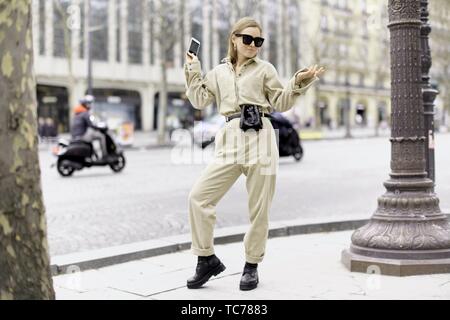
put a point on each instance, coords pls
(429, 94)
(408, 234)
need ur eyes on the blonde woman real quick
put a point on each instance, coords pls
(242, 81)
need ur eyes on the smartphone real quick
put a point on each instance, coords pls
(194, 46)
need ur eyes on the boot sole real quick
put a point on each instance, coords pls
(214, 272)
(248, 287)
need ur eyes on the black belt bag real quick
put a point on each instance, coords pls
(250, 117)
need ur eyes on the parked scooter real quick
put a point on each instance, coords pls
(289, 143)
(79, 154)
(288, 139)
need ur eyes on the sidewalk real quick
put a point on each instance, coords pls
(296, 267)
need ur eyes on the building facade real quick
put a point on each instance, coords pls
(440, 50)
(350, 38)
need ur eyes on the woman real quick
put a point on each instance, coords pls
(243, 79)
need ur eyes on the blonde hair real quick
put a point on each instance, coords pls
(246, 22)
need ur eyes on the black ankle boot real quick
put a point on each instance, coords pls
(249, 279)
(206, 268)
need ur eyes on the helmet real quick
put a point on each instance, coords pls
(87, 100)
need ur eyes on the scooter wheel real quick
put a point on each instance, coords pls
(298, 155)
(119, 164)
(64, 169)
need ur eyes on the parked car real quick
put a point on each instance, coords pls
(289, 143)
(205, 131)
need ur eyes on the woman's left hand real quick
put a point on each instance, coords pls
(311, 72)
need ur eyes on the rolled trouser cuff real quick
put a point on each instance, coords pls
(202, 252)
(252, 259)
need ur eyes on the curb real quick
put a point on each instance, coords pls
(144, 147)
(344, 138)
(168, 145)
(147, 147)
(116, 255)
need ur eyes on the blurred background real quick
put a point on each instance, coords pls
(137, 52)
(129, 54)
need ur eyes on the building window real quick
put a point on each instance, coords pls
(182, 9)
(364, 6)
(293, 12)
(361, 79)
(53, 105)
(118, 33)
(172, 32)
(197, 22)
(343, 51)
(99, 27)
(273, 37)
(82, 29)
(324, 23)
(42, 18)
(152, 40)
(224, 14)
(135, 19)
(365, 29)
(61, 34)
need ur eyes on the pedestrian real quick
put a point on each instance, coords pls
(41, 128)
(240, 85)
(51, 129)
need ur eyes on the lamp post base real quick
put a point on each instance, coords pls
(395, 267)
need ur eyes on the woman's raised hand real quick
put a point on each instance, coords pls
(190, 57)
(311, 72)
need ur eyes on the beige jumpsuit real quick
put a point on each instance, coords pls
(251, 153)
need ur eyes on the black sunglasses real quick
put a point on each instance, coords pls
(248, 39)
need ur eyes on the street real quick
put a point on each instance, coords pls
(96, 208)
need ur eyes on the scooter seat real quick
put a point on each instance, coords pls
(79, 141)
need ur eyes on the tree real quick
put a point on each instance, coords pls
(244, 8)
(24, 258)
(380, 63)
(329, 47)
(61, 8)
(343, 48)
(167, 17)
(440, 50)
(319, 47)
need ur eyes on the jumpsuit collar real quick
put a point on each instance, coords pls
(249, 61)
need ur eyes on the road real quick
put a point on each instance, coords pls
(97, 208)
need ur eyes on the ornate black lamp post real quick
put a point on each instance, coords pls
(408, 234)
(429, 94)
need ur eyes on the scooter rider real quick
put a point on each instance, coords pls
(83, 128)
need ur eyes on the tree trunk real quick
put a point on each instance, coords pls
(377, 127)
(348, 112)
(317, 120)
(69, 55)
(24, 258)
(162, 108)
(445, 111)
